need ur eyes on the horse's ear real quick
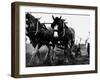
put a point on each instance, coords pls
(60, 17)
(39, 18)
(53, 17)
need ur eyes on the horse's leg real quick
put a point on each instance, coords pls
(72, 59)
(47, 57)
(52, 54)
(66, 57)
(71, 56)
(65, 44)
(32, 59)
(40, 55)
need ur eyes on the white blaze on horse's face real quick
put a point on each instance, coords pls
(55, 31)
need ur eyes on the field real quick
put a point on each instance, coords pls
(57, 57)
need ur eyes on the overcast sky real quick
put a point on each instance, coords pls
(80, 23)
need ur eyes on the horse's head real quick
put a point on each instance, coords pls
(32, 23)
(58, 25)
(56, 21)
(32, 27)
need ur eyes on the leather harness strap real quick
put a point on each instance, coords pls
(36, 29)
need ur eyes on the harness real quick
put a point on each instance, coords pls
(63, 30)
(37, 28)
(55, 32)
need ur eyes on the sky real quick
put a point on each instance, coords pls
(80, 23)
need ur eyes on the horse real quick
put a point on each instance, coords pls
(66, 36)
(39, 35)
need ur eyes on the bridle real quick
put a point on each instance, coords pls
(63, 26)
(35, 31)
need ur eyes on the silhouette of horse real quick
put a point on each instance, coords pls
(39, 35)
(64, 34)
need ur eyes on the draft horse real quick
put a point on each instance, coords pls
(39, 35)
(66, 36)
